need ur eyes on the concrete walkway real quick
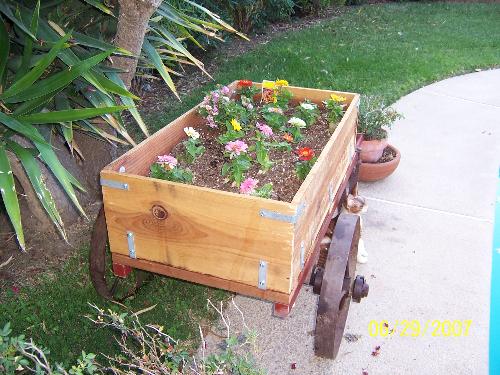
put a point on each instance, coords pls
(428, 232)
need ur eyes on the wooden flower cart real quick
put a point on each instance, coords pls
(253, 246)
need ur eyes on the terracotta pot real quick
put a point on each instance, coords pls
(369, 172)
(371, 151)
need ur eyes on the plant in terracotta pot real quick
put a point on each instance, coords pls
(379, 159)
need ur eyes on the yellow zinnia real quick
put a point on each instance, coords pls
(337, 98)
(281, 82)
(236, 125)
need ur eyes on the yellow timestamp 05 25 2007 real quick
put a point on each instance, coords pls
(417, 328)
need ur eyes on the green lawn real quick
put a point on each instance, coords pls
(387, 49)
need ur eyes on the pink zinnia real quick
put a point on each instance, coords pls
(236, 147)
(265, 129)
(248, 186)
(211, 122)
(225, 90)
(168, 160)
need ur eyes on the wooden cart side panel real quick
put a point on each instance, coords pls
(139, 159)
(207, 231)
(318, 190)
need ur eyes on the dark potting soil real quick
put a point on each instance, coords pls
(207, 168)
(388, 155)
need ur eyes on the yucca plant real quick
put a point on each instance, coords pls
(57, 86)
(173, 27)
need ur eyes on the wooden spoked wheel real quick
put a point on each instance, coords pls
(105, 282)
(336, 284)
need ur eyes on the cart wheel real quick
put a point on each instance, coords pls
(105, 282)
(335, 282)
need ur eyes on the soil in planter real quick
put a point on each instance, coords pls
(207, 168)
(388, 155)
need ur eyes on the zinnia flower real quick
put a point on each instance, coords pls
(298, 122)
(191, 133)
(225, 90)
(308, 106)
(211, 122)
(288, 137)
(248, 186)
(236, 125)
(281, 82)
(245, 83)
(305, 153)
(275, 110)
(265, 129)
(337, 98)
(167, 161)
(236, 147)
(268, 85)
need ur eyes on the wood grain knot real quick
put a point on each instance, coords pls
(159, 212)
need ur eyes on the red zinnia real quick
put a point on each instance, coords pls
(305, 153)
(245, 83)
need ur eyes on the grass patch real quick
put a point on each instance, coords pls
(389, 49)
(53, 313)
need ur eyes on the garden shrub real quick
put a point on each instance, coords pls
(279, 10)
(144, 347)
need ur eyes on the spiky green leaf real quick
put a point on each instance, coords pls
(53, 117)
(28, 42)
(30, 165)
(26, 82)
(59, 80)
(158, 64)
(9, 196)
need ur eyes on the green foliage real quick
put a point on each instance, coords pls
(236, 168)
(283, 97)
(335, 110)
(303, 167)
(18, 355)
(176, 174)
(274, 117)
(265, 191)
(230, 135)
(278, 10)
(193, 149)
(262, 156)
(375, 118)
(48, 88)
(307, 111)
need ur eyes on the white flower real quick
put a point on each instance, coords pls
(308, 106)
(191, 133)
(226, 99)
(275, 110)
(298, 122)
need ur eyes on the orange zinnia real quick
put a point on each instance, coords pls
(287, 137)
(305, 153)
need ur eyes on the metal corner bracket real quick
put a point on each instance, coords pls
(273, 215)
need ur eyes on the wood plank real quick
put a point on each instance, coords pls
(199, 278)
(207, 231)
(321, 186)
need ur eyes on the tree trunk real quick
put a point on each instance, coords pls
(133, 21)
